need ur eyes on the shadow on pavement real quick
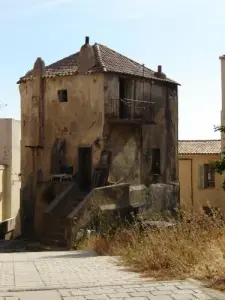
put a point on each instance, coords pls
(76, 254)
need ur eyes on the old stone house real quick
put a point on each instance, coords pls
(102, 119)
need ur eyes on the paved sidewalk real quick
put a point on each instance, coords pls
(84, 276)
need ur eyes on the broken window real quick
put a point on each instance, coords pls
(156, 161)
(124, 103)
(62, 95)
(206, 176)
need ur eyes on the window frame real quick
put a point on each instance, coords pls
(204, 171)
(62, 95)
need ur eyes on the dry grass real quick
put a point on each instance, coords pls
(194, 248)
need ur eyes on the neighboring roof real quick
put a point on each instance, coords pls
(107, 59)
(199, 147)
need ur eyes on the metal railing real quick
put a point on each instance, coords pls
(129, 109)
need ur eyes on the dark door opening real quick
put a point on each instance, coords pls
(85, 167)
(122, 96)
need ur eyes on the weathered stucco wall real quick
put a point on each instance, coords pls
(124, 143)
(132, 145)
(79, 121)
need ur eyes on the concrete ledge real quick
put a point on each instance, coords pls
(7, 226)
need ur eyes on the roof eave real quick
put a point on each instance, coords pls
(189, 153)
(147, 78)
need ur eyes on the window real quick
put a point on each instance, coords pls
(206, 176)
(62, 95)
(125, 86)
(156, 161)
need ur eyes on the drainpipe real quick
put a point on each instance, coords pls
(192, 192)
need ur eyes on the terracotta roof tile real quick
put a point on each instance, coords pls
(108, 61)
(199, 147)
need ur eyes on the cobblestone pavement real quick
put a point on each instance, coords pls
(85, 276)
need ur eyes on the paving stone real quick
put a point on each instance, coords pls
(161, 297)
(185, 291)
(156, 293)
(74, 298)
(146, 289)
(64, 293)
(96, 297)
(136, 298)
(185, 297)
(85, 276)
(166, 288)
(104, 291)
(140, 294)
(119, 295)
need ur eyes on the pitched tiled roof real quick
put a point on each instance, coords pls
(107, 59)
(199, 147)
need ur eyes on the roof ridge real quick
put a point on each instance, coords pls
(131, 60)
(99, 57)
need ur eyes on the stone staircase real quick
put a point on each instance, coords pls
(55, 219)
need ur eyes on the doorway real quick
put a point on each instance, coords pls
(186, 184)
(123, 108)
(85, 167)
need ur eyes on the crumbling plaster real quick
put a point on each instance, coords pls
(79, 121)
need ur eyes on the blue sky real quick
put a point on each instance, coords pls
(186, 37)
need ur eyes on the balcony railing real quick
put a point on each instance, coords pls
(129, 110)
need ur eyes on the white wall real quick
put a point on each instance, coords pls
(10, 136)
(15, 171)
(5, 141)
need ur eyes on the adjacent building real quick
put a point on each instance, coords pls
(10, 182)
(100, 118)
(200, 185)
(222, 60)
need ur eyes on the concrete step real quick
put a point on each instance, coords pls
(55, 235)
(54, 242)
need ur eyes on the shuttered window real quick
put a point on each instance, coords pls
(206, 176)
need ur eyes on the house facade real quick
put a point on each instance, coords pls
(200, 185)
(100, 117)
(10, 182)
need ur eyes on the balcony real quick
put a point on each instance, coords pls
(129, 111)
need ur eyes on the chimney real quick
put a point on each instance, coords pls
(87, 58)
(159, 73)
(159, 69)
